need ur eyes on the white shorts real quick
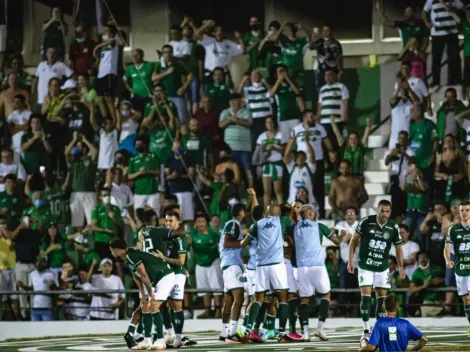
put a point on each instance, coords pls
(164, 287)
(313, 279)
(373, 279)
(268, 171)
(232, 278)
(152, 200)
(3, 37)
(291, 281)
(8, 283)
(463, 285)
(209, 277)
(250, 282)
(185, 201)
(177, 294)
(271, 278)
(81, 206)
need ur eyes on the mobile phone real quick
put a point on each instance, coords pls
(42, 169)
(315, 30)
(124, 212)
(26, 220)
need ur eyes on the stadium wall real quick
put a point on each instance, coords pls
(27, 330)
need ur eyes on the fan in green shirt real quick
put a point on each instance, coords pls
(197, 146)
(39, 215)
(285, 92)
(144, 169)
(11, 205)
(252, 40)
(426, 276)
(423, 137)
(219, 90)
(140, 73)
(205, 242)
(105, 219)
(58, 200)
(35, 146)
(53, 247)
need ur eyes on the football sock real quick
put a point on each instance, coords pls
(293, 305)
(178, 321)
(158, 322)
(283, 315)
(147, 321)
(260, 318)
(233, 327)
(467, 311)
(323, 310)
(166, 318)
(225, 328)
(365, 308)
(140, 327)
(380, 310)
(254, 310)
(270, 322)
(131, 329)
(303, 316)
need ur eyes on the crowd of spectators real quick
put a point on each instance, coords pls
(93, 148)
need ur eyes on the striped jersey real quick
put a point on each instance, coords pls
(442, 22)
(332, 98)
(270, 248)
(258, 100)
(308, 237)
(466, 127)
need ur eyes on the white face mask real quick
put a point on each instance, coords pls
(256, 84)
(106, 200)
(105, 37)
(233, 201)
(424, 267)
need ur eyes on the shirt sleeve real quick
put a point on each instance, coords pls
(345, 92)
(423, 88)
(449, 236)
(38, 69)
(67, 71)
(359, 228)
(415, 278)
(182, 244)
(94, 215)
(121, 287)
(224, 115)
(21, 173)
(322, 130)
(231, 229)
(434, 135)
(253, 232)
(235, 49)
(324, 230)
(206, 40)
(128, 74)
(374, 339)
(413, 333)
(396, 235)
(260, 139)
(428, 6)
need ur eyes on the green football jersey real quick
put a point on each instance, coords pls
(145, 184)
(459, 236)
(155, 267)
(59, 203)
(206, 247)
(376, 241)
(177, 246)
(155, 238)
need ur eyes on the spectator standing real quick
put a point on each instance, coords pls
(413, 54)
(144, 169)
(446, 117)
(175, 79)
(464, 21)
(333, 100)
(82, 168)
(197, 146)
(48, 69)
(329, 54)
(81, 56)
(286, 95)
(127, 123)
(417, 85)
(410, 251)
(90, 14)
(444, 33)
(9, 167)
(219, 90)
(251, 42)
(181, 48)
(105, 307)
(87, 95)
(11, 205)
(432, 239)
(108, 146)
(208, 121)
(7, 97)
(258, 101)
(18, 121)
(140, 75)
(35, 145)
(24, 79)
(271, 143)
(41, 279)
(53, 248)
(121, 193)
(236, 122)
(106, 223)
(55, 30)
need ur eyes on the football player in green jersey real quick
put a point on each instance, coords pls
(374, 236)
(155, 278)
(458, 236)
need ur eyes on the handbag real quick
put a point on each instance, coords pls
(260, 156)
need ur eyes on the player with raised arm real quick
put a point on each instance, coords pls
(271, 273)
(376, 234)
(231, 262)
(155, 278)
(458, 236)
(313, 277)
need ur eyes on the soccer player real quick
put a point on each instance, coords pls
(231, 258)
(153, 276)
(271, 273)
(313, 277)
(391, 333)
(376, 234)
(177, 249)
(458, 236)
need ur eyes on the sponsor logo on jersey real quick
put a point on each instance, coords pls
(386, 235)
(268, 225)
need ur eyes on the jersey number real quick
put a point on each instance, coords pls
(377, 244)
(464, 247)
(55, 206)
(148, 245)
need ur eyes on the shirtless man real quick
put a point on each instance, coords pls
(346, 191)
(7, 97)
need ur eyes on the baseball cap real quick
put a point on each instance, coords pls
(69, 84)
(106, 261)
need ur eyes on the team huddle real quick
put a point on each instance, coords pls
(285, 270)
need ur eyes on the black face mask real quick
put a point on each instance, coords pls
(140, 149)
(42, 267)
(255, 27)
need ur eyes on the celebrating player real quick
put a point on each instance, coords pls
(231, 258)
(376, 234)
(459, 237)
(313, 277)
(153, 276)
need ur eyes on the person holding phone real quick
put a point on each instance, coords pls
(55, 30)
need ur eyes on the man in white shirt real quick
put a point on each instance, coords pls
(108, 144)
(121, 194)
(219, 51)
(417, 85)
(9, 167)
(51, 68)
(410, 251)
(41, 279)
(105, 307)
(18, 121)
(181, 48)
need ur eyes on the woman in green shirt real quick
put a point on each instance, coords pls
(87, 95)
(352, 149)
(416, 189)
(53, 247)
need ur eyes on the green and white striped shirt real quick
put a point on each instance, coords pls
(258, 101)
(442, 22)
(332, 98)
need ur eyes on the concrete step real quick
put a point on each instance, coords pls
(379, 153)
(377, 141)
(376, 176)
(376, 189)
(376, 165)
(371, 203)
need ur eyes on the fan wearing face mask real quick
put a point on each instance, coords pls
(39, 214)
(427, 276)
(81, 51)
(252, 41)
